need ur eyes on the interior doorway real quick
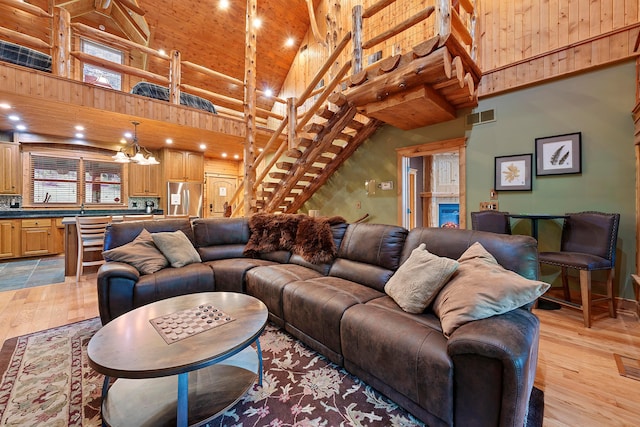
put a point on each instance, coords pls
(219, 191)
(432, 185)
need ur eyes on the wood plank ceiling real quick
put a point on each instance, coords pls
(204, 34)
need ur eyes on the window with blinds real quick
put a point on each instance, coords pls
(54, 179)
(103, 182)
(59, 180)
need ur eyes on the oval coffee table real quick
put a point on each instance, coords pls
(189, 381)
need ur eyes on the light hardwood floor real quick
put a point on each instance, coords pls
(576, 366)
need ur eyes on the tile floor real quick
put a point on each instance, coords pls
(31, 272)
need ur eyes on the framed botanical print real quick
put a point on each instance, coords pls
(559, 155)
(513, 173)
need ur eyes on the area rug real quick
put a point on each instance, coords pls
(31, 272)
(46, 381)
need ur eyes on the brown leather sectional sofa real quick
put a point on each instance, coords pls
(481, 376)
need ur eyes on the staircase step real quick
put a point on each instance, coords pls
(285, 166)
(334, 149)
(325, 113)
(315, 170)
(277, 175)
(337, 98)
(293, 153)
(270, 184)
(305, 142)
(313, 128)
(299, 187)
(355, 125)
(323, 159)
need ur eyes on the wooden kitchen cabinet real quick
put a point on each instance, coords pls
(144, 181)
(183, 165)
(10, 168)
(37, 237)
(9, 238)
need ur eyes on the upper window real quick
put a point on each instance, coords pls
(97, 75)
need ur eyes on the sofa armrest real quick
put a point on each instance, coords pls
(495, 362)
(115, 284)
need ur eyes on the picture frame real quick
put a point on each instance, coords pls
(513, 173)
(559, 154)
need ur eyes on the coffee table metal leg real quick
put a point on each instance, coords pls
(183, 400)
(259, 362)
(105, 389)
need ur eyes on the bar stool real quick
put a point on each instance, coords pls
(90, 239)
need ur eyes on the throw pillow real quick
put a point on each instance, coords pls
(141, 253)
(482, 288)
(177, 247)
(314, 240)
(417, 282)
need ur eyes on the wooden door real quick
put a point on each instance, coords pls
(173, 163)
(219, 191)
(9, 238)
(9, 168)
(194, 166)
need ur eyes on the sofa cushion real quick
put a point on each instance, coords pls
(482, 288)
(141, 253)
(118, 234)
(171, 282)
(220, 238)
(417, 282)
(176, 247)
(230, 274)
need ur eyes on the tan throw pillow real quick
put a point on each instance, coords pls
(141, 253)
(482, 288)
(417, 282)
(177, 247)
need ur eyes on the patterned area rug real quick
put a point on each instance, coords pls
(47, 381)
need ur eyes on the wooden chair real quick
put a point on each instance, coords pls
(137, 217)
(90, 232)
(493, 221)
(588, 243)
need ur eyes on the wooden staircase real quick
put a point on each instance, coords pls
(326, 144)
(426, 85)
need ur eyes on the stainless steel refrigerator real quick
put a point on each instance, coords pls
(184, 198)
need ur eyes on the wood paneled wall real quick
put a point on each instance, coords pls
(519, 42)
(527, 41)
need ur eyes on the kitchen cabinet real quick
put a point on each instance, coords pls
(183, 165)
(36, 237)
(144, 180)
(9, 238)
(10, 169)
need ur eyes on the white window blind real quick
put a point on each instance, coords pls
(54, 179)
(103, 182)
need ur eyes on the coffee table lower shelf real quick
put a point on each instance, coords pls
(154, 401)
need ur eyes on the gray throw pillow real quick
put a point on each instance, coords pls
(419, 279)
(482, 288)
(177, 248)
(140, 253)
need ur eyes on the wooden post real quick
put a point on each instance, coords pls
(61, 40)
(472, 32)
(443, 18)
(357, 39)
(291, 112)
(174, 78)
(250, 107)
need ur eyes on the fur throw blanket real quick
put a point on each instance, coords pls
(309, 237)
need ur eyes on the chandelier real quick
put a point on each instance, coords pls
(139, 155)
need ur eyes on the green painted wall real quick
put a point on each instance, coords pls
(597, 103)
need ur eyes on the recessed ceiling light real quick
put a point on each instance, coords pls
(224, 4)
(21, 127)
(289, 42)
(123, 141)
(162, 52)
(169, 141)
(79, 128)
(261, 149)
(128, 135)
(5, 106)
(79, 135)
(101, 27)
(224, 155)
(203, 146)
(235, 156)
(257, 22)
(14, 117)
(268, 93)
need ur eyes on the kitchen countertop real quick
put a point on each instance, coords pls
(42, 213)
